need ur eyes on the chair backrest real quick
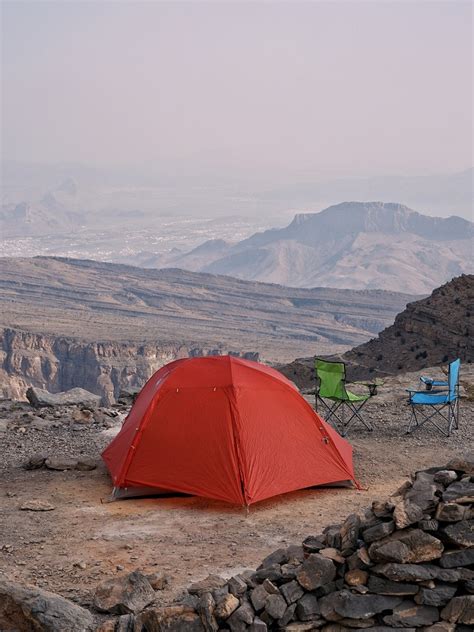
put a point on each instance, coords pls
(453, 378)
(331, 376)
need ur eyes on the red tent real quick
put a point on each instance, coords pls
(225, 428)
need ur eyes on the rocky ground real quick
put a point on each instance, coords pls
(58, 532)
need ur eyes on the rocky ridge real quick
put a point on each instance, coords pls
(429, 332)
(68, 323)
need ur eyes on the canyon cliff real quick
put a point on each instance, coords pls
(104, 327)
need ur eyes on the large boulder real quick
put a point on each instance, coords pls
(122, 595)
(28, 608)
(74, 397)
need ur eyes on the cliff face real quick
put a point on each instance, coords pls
(66, 323)
(58, 363)
(432, 331)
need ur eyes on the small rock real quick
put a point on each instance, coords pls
(356, 577)
(60, 463)
(122, 595)
(460, 534)
(158, 581)
(437, 596)
(37, 505)
(459, 610)
(445, 477)
(210, 583)
(316, 571)
(275, 606)
(378, 531)
(461, 492)
(291, 591)
(226, 606)
(82, 565)
(408, 614)
(307, 608)
(35, 462)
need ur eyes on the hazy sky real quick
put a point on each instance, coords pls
(244, 87)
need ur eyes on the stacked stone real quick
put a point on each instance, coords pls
(407, 563)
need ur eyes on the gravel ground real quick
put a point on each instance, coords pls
(84, 539)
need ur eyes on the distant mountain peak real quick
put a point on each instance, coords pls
(349, 245)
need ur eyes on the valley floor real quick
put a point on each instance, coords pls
(84, 540)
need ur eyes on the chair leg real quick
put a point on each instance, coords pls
(419, 418)
(413, 421)
(356, 415)
(331, 412)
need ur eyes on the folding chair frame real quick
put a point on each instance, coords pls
(337, 410)
(341, 424)
(419, 416)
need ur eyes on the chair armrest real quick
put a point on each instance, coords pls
(429, 382)
(436, 391)
(372, 386)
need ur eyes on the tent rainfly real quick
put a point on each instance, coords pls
(224, 428)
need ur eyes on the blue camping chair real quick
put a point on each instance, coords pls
(439, 399)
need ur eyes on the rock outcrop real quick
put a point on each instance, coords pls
(429, 332)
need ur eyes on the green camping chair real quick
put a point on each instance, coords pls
(331, 385)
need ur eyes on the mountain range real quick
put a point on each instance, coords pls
(358, 245)
(102, 326)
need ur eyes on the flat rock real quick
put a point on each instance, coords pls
(25, 608)
(61, 463)
(210, 583)
(409, 614)
(437, 596)
(461, 534)
(275, 606)
(314, 543)
(122, 595)
(171, 619)
(445, 477)
(382, 586)
(74, 397)
(407, 546)
(460, 492)
(453, 559)
(378, 531)
(459, 610)
(451, 512)
(37, 505)
(405, 572)
(346, 604)
(241, 618)
(464, 464)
